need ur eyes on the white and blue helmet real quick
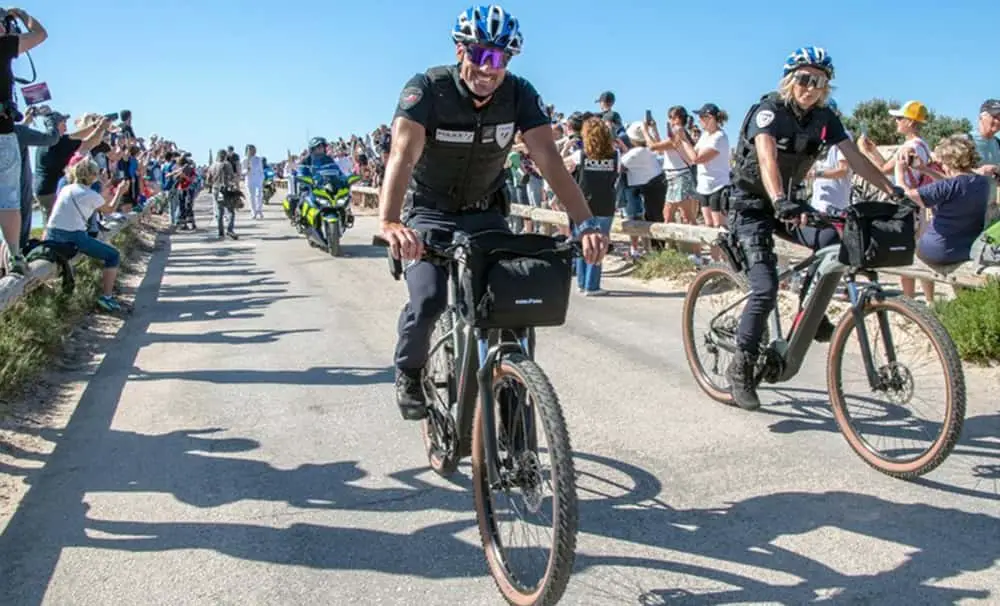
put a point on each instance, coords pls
(809, 56)
(489, 25)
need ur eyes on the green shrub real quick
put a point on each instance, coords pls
(33, 329)
(972, 319)
(666, 263)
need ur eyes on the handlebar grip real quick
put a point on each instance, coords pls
(395, 265)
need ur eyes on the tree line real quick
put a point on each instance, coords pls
(872, 118)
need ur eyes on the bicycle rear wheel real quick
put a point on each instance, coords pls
(520, 390)
(895, 419)
(707, 348)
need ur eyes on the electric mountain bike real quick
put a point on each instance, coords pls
(488, 398)
(876, 320)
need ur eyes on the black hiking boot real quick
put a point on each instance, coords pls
(741, 375)
(824, 332)
(410, 395)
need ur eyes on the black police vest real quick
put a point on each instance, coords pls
(799, 144)
(597, 181)
(462, 165)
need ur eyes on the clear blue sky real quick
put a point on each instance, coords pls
(210, 73)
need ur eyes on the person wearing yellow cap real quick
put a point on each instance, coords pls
(914, 151)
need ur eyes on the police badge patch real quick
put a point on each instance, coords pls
(503, 133)
(410, 96)
(764, 117)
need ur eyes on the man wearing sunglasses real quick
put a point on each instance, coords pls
(451, 134)
(781, 137)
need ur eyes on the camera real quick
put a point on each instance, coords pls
(10, 22)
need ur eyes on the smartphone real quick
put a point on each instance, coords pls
(111, 116)
(36, 93)
(649, 117)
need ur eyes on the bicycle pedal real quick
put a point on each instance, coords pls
(414, 413)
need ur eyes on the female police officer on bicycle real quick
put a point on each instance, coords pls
(781, 137)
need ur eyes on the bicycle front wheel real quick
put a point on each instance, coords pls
(889, 435)
(527, 411)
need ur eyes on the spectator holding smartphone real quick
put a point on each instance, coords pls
(12, 45)
(50, 163)
(74, 205)
(29, 137)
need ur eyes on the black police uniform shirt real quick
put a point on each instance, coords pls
(462, 164)
(799, 141)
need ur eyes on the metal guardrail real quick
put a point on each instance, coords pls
(13, 287)
(361, 196)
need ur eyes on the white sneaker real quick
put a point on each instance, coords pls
(600, 292)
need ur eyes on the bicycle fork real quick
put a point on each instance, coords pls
(860, 297)
(489, 358)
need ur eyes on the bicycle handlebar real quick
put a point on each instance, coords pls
(819, 219)
(444, 245)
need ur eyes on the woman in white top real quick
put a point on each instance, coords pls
(831, 177)
(680, 195)
(74, 205)
(254, 167)
(711, 155)
(644, 174)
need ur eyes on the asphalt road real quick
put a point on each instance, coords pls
(239, 445)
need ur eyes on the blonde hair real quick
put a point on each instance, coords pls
(958, 153)
(84, 172)
(787, 84)
(88, 119)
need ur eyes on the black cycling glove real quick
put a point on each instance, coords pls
(785, 209)
(897, 195)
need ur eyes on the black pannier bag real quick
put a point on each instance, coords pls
(878, 234)
(515, 280)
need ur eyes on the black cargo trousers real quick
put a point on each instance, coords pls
(427, 282)
(751, 219)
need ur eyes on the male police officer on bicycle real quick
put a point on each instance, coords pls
(452, 131)
(780, 140)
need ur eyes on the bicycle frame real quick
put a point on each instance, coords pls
(829, 271)
(465, 340)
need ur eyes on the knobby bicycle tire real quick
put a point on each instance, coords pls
(565, 515)
(716, 392)
(946, 351)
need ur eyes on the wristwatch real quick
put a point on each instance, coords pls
(590, 224)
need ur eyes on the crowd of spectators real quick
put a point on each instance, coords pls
(80, 178)
(679, 173)
(364, 156)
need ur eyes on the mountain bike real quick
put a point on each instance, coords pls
(781, 357)
(483, 387)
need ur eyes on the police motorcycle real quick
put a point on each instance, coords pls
(323, 209)
(269, 187)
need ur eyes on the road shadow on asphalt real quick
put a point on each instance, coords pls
(972, 469)
(317, 375)
(896, 550)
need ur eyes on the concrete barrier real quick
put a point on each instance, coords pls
(13, 287)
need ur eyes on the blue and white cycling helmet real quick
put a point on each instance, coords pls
(809, 56)
(488, 25)
(316, 142)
